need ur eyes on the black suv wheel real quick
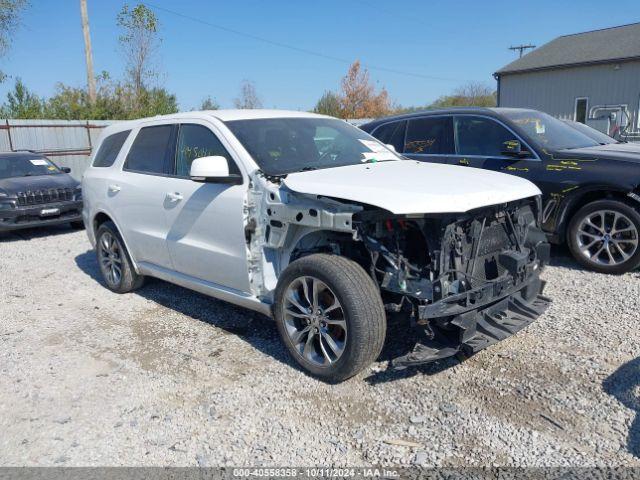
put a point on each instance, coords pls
(330, 316)
(603, 236)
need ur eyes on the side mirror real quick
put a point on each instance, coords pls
(513, 148)
(65, 169)
(213, 169)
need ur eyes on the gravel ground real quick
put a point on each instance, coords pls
(166, 376)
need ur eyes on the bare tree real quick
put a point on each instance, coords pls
(91, 81)
(248, 96)
(472, 94)
(9, 21)
(476, 94)
(139, 41)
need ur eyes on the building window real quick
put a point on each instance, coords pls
(580, 114)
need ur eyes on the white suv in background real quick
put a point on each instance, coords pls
(312, 221)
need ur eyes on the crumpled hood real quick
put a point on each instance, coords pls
(408, 186)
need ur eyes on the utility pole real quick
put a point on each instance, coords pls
(91, 80)
(521, 48)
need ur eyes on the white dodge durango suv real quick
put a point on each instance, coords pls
(310, 220)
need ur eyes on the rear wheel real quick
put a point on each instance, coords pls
(114, 261)
(604, 235)
(330, 316)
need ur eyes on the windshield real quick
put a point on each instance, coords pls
(26, 166)
(286, 145)
(547, 131)
(598, 136)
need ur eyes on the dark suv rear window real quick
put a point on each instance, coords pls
(109, 149)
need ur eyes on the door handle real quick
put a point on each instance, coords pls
(174, 197)
(114, 188)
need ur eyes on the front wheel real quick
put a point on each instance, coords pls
(603, 236)
(330, 316)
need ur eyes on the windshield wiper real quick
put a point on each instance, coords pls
(307, 169)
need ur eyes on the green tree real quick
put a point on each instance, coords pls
(329, 104)
(155, 101)
(139, 41)
(9, 20)
(209, 104)
(22, 103)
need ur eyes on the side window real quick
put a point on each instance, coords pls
(480, 136)
(196, 141)
(430, 136)
(392, 134)
(109, 149)
(152, 150)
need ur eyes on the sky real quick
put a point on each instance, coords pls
(417, 50)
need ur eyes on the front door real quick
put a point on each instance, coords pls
(206, 223)
(479, 142)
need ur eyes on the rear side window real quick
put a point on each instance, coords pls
(109, 149)
(392, 134)
(480, 136)
(152, 150)
(195, 141)
(430, 136)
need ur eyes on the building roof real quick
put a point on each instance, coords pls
(597, 46)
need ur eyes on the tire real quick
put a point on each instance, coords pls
(79, 225)
(358, 339)
(108, 239)
(617, 233)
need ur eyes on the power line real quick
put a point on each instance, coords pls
(521, 48)
(298, 49)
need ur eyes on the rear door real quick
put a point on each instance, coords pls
(138, 194)
(430, 139)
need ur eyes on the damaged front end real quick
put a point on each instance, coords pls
(467, 280)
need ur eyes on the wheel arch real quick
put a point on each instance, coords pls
(101, 217)
(581, 197)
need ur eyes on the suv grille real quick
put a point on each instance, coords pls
(51, 195)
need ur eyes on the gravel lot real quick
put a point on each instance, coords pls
(166, 376)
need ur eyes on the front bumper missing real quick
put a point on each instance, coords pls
(476, 329)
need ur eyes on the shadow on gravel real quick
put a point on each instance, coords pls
(623, 386)
(27, 234)
(256, 329)
(252, 327)
(398, 342)
(561, 257)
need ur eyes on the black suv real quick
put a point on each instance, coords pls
(36, 192)
(590, 191)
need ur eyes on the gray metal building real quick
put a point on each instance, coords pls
(68, 143)
(591, 77)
